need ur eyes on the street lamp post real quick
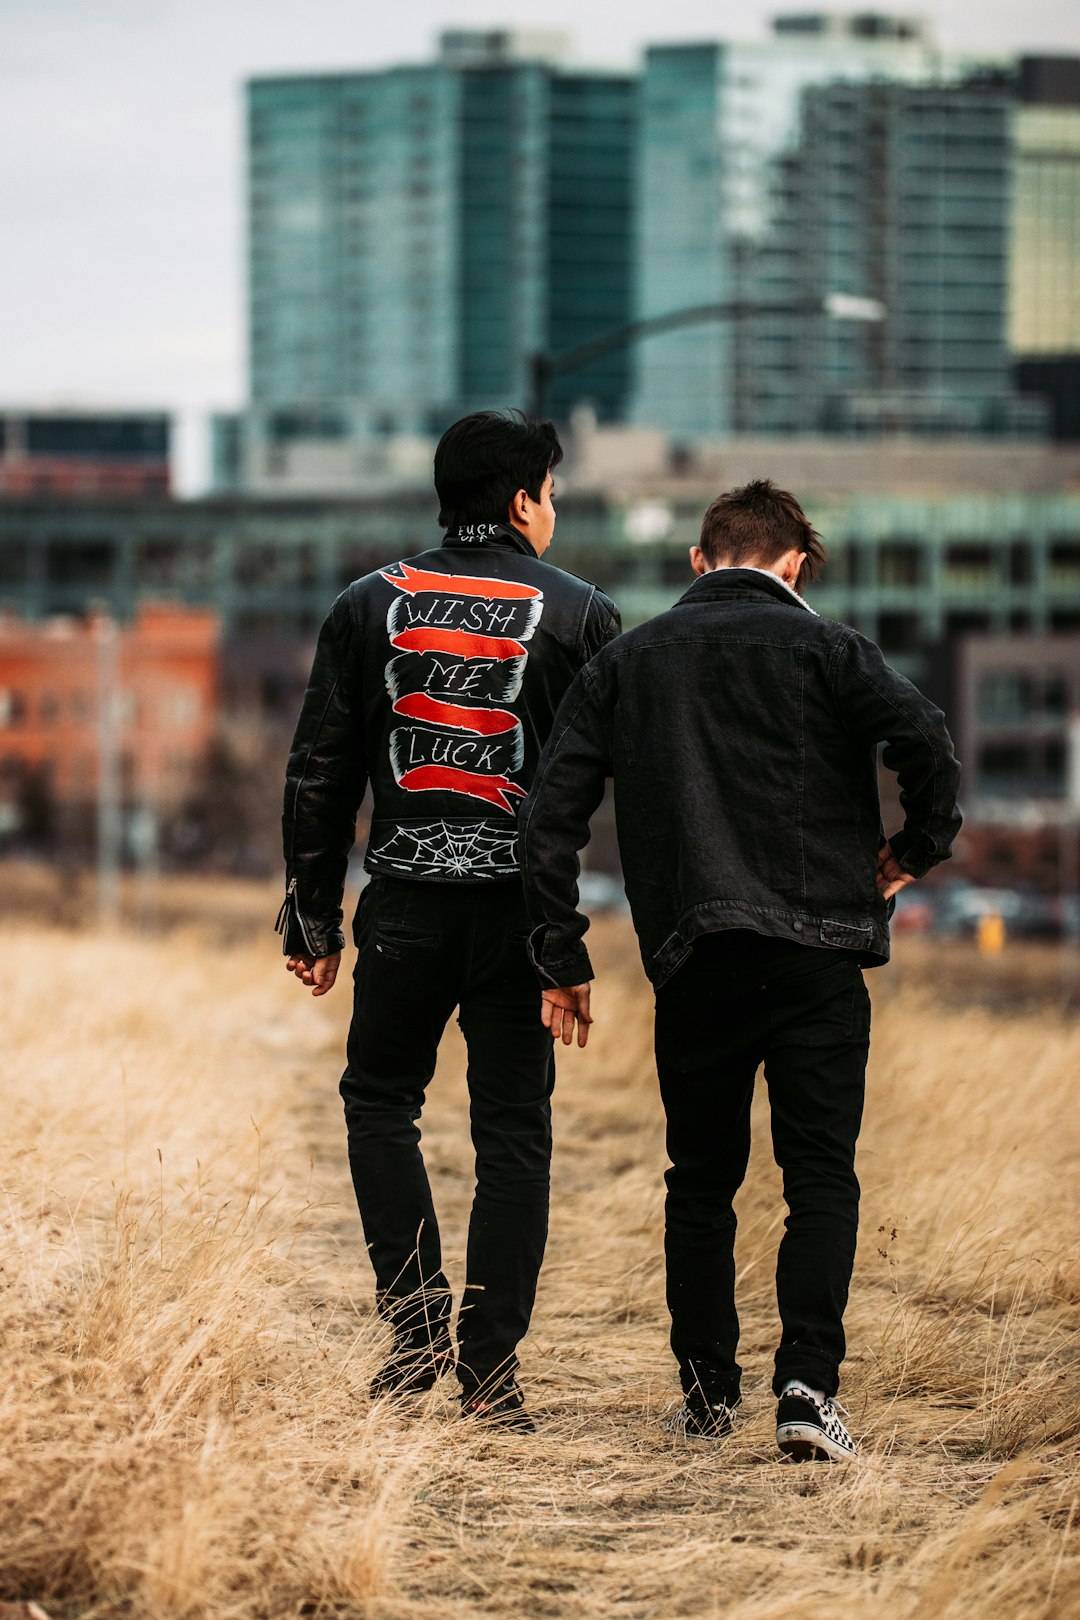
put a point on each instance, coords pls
(1069, 878)
(109, 816)
(544, 367)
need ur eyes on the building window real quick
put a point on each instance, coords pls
(900, 632)
(838, 566)
(1021, 566)
(1056, 697)
(969, 568)
(900, 564)
(1005, 698)
(180, 707)
(269, 565)
(674, 569)
(12, 707)
(1065, 566)
(81, 562)
(12, 562)
(965, 624)
(1002, 858)
(1020, 770)
(1005, 769)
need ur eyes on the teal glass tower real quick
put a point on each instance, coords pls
(416, 233)
(718, 123)
(900, 193)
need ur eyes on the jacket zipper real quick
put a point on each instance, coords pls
(291, 904)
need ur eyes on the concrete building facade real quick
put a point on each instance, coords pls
(912, 571)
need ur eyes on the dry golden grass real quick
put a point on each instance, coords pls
(188, 1333)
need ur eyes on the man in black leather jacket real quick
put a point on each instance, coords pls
(436, 680)
(741, 731)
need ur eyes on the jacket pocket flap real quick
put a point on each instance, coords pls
(853, 935)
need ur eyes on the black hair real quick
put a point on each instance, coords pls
(758, 524)
(484, 459)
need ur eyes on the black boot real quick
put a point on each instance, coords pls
(497, 1401)
(413, 1366)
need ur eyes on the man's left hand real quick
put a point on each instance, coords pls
(891, 877)
(318, 971)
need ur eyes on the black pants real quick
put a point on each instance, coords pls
(424, 949)
(739, 1001)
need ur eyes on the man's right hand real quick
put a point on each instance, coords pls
(318, 971)
(891, 877)
(562, 1009)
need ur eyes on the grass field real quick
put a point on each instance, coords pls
(188, 1329)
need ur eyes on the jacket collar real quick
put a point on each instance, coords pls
(730, 582)
(503, 535)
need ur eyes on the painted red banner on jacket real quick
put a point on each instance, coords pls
(442, 779)
(492, 590)
(459, 642)
(462, 626)
(485, 722)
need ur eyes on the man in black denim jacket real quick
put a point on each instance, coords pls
(741, 731)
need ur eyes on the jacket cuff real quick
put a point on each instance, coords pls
(302, 936)
(311, 940)
(556, 969)
(915, 852)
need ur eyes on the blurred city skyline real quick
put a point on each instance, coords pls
(122, 278)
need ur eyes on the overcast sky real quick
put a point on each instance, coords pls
(120, 185)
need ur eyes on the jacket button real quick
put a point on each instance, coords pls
(797, 925)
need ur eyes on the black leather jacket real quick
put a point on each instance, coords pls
(437, 680)
(741, 733)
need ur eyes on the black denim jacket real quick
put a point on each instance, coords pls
(741, 731)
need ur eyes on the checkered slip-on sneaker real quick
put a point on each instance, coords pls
(809, 1429)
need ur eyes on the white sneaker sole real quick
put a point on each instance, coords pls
(805, 1442)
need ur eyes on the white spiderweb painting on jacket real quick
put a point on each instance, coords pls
(449, 849)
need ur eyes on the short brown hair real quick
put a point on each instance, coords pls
(758, 524)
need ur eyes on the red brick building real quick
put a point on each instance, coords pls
(1014, 716)
(80, 454)
(62, 679)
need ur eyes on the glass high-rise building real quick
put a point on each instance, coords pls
(1045, 308)
(1044, 287)
(900, 193)
(719, 122)
(416, 233)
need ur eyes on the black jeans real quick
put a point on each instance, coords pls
(739, 1001)
(425, 948)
